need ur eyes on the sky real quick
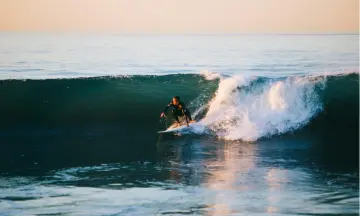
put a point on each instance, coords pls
(181, 16)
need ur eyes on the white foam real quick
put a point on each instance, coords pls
(209, 75)
(336, 73)
(245, 108)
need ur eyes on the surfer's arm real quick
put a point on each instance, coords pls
(166, 109)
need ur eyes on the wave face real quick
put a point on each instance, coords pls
(234, 107)
(99, 106)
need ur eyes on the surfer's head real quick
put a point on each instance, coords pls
(176, 100)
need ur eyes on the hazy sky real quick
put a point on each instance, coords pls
(181, 16)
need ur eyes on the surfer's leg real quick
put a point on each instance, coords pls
(188, 115)
(177, 118)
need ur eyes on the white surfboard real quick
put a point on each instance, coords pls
(175, 128)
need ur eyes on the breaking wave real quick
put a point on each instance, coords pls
(233, 107)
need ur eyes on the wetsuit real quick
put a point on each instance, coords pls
(179, 110)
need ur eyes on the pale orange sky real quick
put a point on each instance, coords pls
(181, 16)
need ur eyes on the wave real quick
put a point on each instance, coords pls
(233, 107)
(249, 108)
(94, 105)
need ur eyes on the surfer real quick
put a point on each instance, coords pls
(178, 110)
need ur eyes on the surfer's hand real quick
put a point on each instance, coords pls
(162, 115)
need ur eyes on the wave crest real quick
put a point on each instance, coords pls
(249, 108)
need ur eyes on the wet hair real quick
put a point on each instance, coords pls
(177, 98)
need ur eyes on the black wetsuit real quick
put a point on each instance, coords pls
(179, 110)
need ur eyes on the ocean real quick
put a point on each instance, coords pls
(277, 129)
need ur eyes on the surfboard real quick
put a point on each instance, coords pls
(175, 128)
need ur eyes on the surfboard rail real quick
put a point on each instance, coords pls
(175, 127)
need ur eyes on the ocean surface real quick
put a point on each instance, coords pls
(277, 130)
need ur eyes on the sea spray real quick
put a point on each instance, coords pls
(248, 108)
